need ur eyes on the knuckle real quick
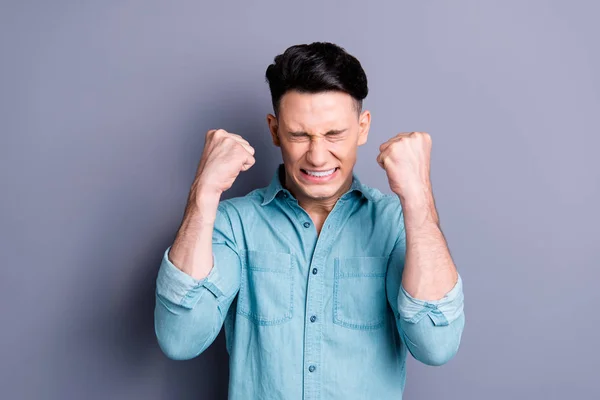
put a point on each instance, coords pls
(232, 138)
(239, 147)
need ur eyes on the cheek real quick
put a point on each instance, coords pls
(292, 152)
(345, 150)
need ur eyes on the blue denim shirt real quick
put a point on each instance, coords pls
(307, 316)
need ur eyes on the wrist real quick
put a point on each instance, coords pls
(203, 195)
(415, 197)
(202, 206)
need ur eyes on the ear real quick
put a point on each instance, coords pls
(364, 124)
(274, 128)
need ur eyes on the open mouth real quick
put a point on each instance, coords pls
(321, 175)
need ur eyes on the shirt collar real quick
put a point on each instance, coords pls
(275, 187)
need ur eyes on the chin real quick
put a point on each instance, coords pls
(319, 193)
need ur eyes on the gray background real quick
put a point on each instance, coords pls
(104, 107)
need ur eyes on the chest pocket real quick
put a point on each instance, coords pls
(265, 295)
(359, 298)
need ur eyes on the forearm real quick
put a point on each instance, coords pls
(430, 298)
(191, 251)
(192, 301)
(429, 272)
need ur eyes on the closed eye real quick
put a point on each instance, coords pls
(332, 134)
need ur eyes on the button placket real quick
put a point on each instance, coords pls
(314, 303)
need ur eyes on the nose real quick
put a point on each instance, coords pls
(317, 152)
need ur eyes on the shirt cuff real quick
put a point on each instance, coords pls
(182, 289)
(442, 312)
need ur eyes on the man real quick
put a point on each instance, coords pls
(322, 283)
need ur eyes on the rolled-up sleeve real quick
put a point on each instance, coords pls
(441, 312)
(189, 313)
(431, 330)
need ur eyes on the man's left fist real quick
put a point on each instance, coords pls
(406, 160)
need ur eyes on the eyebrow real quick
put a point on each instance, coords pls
(331, 132)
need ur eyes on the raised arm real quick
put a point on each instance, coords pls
(199, 275)
(424, 287)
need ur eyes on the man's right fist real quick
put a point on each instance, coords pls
(225, 155)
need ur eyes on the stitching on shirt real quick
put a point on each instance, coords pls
(337, 319)
(241, 308)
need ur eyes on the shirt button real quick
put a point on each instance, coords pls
(313, 318)
(307, 224)
(312, 368)
(314, 271)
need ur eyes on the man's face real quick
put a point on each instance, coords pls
(319, 135)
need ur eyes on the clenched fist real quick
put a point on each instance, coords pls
(406, 160)
(225, 155)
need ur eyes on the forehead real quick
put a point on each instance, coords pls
(315, 111)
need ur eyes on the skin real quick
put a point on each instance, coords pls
(318, 132)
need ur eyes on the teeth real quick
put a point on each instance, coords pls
(320, 174)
